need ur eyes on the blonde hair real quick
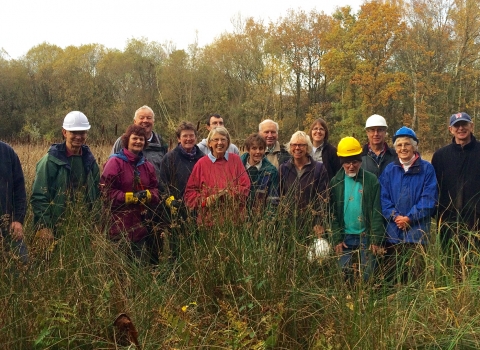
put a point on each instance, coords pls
(300, 135)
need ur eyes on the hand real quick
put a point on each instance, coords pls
(339, 247)
(143, 196)
(173, 204)
(16, 231)
(403, 222)
(319, 230)
(214, 197)
(376, 250)
(44, 234)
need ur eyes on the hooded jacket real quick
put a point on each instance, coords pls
(52, 189)
(413, 194)
(118, 177)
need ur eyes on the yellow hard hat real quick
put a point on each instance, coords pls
(349, 146)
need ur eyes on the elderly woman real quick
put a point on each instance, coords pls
(129, 185)
(303, 182)
(218, 180)
(408, 197)
(263, 175)
(323, 151)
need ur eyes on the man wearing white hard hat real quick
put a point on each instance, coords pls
(376, 154)
(66, 173)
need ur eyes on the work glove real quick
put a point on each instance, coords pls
(130, 198)
(173, 204)
(143, 196)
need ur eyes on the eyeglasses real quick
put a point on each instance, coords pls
(376, 130)
(219, 140)
(353, 162)
(318, 129)
(299, 145)
(79, 132)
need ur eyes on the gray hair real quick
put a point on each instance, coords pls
(266, 121)
(218, 130)
(300, 135)
(414, 143)
(142, 108)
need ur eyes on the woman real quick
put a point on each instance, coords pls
(176, 167)
(263, 175)
(217, 179)
(303, 181)
(323, 151)
(130, 186)
(408, 197)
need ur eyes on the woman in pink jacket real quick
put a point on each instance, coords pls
(219, 185)
(129, 186)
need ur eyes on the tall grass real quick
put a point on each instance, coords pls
(237, 285)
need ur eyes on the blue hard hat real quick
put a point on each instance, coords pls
(405, 132)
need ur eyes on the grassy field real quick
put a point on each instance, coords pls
(246, 286)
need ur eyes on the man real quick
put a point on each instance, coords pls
(376, 154)
(67, 173)
(13, 201)
(157, 147)
(275, 153)
(213, 121)
(357, 224)
(457, 167)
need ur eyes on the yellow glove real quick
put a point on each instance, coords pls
(143, 196)
(173, 204)
(130, 198)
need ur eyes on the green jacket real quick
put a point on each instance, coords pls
(50, 191)
(371, 207)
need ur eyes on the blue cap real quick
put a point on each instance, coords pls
(460, 117)
(405, 132)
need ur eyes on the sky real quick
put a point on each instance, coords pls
(27, 23)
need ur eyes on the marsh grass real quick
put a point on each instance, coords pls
(236, 285)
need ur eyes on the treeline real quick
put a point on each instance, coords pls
(415, 62)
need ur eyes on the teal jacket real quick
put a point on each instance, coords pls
(50, 191)
(371, 207)
(264, 185)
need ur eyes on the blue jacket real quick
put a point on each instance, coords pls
(413, 194)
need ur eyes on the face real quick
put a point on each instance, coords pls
(269, 133)
(298, 148)
(74, 139)
(215, 122)
(145, 119)
(256, 153)
(187, 139)
(404, 148)
(462, 131)
(218, 144)
(136, 143)
(318, 133)
(352, 168)
(376, 135)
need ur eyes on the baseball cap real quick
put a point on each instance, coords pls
(459, 117)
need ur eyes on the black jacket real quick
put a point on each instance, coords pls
(330, 160)
(13, 199)
(369, 164)
(458, 171)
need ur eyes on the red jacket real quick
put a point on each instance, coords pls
(117, 179)
(209, 178)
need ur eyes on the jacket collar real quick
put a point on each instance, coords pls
(468, 146)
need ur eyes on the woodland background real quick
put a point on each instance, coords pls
(415, 62)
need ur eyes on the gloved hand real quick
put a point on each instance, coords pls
(173, 204)
(130, 198)
(143, 196)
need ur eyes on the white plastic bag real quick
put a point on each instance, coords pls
(319, 250)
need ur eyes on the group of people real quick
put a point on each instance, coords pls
(374, 200)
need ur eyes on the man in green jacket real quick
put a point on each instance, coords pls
(357, 225)
(66, 173)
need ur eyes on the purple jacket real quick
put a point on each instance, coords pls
(118, 177)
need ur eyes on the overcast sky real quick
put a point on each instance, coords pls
(26, 23)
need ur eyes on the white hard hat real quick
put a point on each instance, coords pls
(318, 250)
(76, 121)
(375, 120)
